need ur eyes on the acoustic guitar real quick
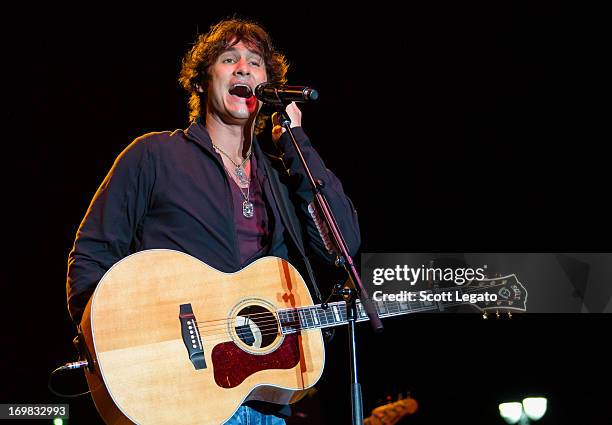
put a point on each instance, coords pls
(172, 340)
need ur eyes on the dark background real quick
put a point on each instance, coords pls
(454, 127)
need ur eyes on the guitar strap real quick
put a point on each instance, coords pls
(288, 215)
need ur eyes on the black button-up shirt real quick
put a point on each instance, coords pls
(169, 190)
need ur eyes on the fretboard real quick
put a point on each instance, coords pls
(314, 317)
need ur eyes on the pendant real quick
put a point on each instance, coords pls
(241, 175)
(247, 209)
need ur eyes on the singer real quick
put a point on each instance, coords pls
(210, 190)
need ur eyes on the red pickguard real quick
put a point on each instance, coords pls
(231, 365)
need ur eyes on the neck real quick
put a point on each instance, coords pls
(235, 139)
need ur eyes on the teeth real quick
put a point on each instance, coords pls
(241, 90)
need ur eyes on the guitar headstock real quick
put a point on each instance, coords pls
(510, 294)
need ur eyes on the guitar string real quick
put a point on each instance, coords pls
(301, 324)
(269, 331)
(273, 325)
(209, 324)
(266, 332)
(337, 303)
(287, 321)
(274, 330)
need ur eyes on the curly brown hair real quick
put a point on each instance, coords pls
(209, 46)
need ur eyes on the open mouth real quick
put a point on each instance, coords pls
(241, 90)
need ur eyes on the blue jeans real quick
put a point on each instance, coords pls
(246, 415)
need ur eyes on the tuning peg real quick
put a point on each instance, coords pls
(485, 316)
(510, 315)
(497, 314)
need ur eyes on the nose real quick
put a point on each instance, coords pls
(242, 68)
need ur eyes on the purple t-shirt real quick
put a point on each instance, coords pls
(252, 233)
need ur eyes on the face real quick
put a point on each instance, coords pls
(238, 65)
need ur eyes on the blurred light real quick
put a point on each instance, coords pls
(511, 412)
(534, 407)
(58, 421)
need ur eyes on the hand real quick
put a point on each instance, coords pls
(296, 120)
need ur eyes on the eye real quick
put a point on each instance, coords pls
(228, 60)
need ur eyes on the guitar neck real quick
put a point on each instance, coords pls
(315, 317)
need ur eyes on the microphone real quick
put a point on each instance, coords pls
(278, 94)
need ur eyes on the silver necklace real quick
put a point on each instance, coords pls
(239, 168)
(247, 206)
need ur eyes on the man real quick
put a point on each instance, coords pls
(209, 190)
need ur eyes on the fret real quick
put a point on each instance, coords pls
(336, 313)
(361, 313)
(313, 313)
(382, 308)
(394, 307)
(343, 312)
(295, 319)
(287, 321)
(282, 318)
(306, 318)
(303, 318)
(310, 317)
(322, 315)
(426, 303)
(329, 316)
(418, 305)
(292, 318)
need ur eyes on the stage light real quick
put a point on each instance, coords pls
(534, 407)
(58, 421)
(511, 412)
(531, 408)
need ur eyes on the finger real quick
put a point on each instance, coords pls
(290, 107)
(277, 132)
(294, 111)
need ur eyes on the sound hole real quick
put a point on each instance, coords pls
(256, 326)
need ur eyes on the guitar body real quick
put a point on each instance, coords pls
(139, 338)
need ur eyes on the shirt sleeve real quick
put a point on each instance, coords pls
(340, 204)
(107, 231)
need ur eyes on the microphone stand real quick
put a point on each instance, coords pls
(355, 289)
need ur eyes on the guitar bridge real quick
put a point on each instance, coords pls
(191, 336)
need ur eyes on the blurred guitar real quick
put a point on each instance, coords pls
(392, 413)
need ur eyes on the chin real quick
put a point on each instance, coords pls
(241, 116)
